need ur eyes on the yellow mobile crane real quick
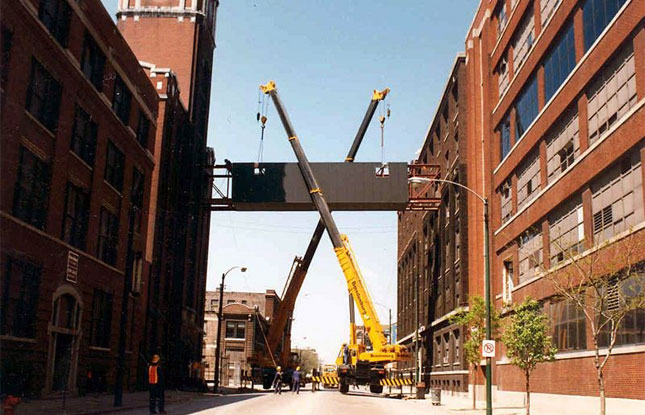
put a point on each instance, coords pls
(365, 368)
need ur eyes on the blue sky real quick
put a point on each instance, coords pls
(326, 58)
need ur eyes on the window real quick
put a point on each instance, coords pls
(569, 325)
(524, 38)
(121, 100)
(437, 348)
(596, 15)
(563, 146)
(503, 78)
(446, 348)
(560, 62)
(7, 41)
(617, 198)
(108, 237)
(138, 181)
(32, 189)
(114, 166)
(244, 301)
(530, 255)
(84, 132)
(455, 335)
(566, 231)
(75, 218)
(20, 284)
(506, 200)
(526, 108)
(214, 304)
(505, 138)
(509, 282)
(235, 329)
(43, 96)
(93, 62)
(547, 7)
(632, 328)
(101, 319)
(502, 19)
(528, 179)
(612, 94)
(55, 15)
(142, 129)
(230, 301)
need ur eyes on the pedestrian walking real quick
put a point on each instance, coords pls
(295, 378)
(156, 386)
(277, 380)
(314, 382)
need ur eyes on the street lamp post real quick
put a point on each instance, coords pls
(218, 349)
(484, 200)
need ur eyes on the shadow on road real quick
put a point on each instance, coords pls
(202, 404)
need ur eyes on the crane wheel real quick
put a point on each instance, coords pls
(344, 388)
(376, 388)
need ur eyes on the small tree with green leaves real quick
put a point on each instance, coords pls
(474, 320)
(526, 340)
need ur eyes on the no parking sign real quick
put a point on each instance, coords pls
(488, 348)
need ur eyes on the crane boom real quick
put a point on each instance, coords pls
(302, 264)
(346, 259)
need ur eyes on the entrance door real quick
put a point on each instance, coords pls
(64, 332)
(62, 360)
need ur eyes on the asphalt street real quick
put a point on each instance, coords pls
(321, 402)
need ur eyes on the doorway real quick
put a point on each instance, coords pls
(64, 338)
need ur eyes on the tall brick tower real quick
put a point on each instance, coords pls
(174, 41)
(175, 34)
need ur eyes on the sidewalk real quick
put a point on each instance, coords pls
(95, 405)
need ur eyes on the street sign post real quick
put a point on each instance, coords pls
(488, 348)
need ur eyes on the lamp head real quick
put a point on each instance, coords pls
(243, 269)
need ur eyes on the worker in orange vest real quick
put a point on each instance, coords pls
(9, 404)
(156, 385)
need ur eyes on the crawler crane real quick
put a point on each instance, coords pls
(365, 368)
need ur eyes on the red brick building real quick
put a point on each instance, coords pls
(78, 131)
(556, 114)
(432, 254)
(174, 42)
(247, 317)
(554, 139)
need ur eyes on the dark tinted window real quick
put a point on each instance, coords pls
(526, 108)
(596, 15)
(75, 218)
(101, 319)
(121, 100)
(55, 15)
(108, 237)
(43, 96)
(20, 284)
(93, 62)
(32, 189)
(560, 62)
(114, 162)
(83, 141)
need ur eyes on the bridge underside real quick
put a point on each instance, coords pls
(346, 186)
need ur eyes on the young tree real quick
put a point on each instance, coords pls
(474, 320)
(526, 340)
(606, 283)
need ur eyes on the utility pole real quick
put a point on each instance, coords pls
(416, 325)
(218, 349)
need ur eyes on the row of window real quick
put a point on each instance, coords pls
(21, 281)
(31, 195)
(44, 91)
(612, 94)
(447, 349)
(616, 206)
(558, 63)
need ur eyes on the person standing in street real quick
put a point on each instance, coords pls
(345, 354)
(277, 381)
(156, 386)
(314, 382)
(295, 378)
